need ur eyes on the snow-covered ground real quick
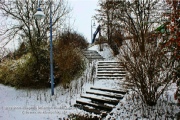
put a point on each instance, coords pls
(131, 108)
(40, 105)
(107, 53)
(26, 104)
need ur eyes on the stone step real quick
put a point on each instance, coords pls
(109, 62)
(115, 78)
(101, 100)
(109, 66)
(109, 75)
(95, 105)
(113, 64)
(91, 109)
(92, 55)
(111, 72)
(111, 95)
(88, 108)
(112, 68)
(110, 90)
(90, 51)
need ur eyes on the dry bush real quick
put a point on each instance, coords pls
(29, 70)
(22, 49)
(24, 72)
(150, 72)
(76, 40)
(17, 72)
(68, 58)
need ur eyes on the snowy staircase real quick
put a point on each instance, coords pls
(92, 55)
(100, 101)
(110, 70)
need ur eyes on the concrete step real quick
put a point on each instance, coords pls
(100, 100)
(111, 75)
(95, 105)
(116, 70)
(110, 90)
(109, 61)
(115, 78)
(106, 94)
(110, 70)
(92, 55)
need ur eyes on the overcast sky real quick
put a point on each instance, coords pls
(83, 10)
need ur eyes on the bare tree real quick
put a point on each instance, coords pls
(23, 24)
(33, 33)
(150, 70)
(107, 17)
(136, 19)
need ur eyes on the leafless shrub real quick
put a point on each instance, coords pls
(150, 72)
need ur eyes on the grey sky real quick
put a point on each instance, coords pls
(82, 12)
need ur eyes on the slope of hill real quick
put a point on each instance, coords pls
(26, 104)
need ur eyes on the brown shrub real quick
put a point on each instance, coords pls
(150, 72)
(68, 59)
(23, 73)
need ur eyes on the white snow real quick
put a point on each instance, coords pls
(104, 92)
(106, 53)
(26, 104)
(40, 105)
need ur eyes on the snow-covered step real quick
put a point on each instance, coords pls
(109, 62)
(100, 99)
(112, 65)
(106, 94)
(110, 90)
(104, 77)
(112, 74)
(95, 105)
(110, 70)
(92, 55)
(106, 67)
(106, 91)
(92, 109)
